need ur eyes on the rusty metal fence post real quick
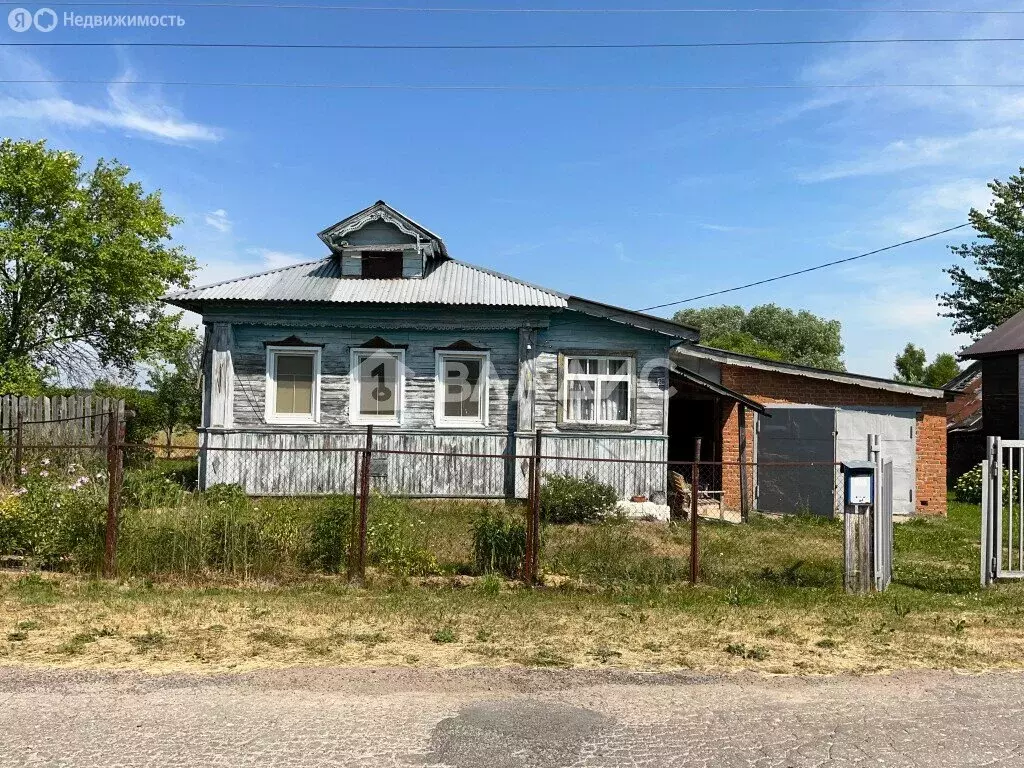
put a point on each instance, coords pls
(531, 560)
(357, 552)
(694, 509)
(115, 478)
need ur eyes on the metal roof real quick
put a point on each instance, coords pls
(748, 361)
(447, 282)
(1007, 338)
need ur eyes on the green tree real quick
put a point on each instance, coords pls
(943, 369)
(770, 331)
(86, 256)
(912, 367)
(993, 291)
(910, 364)
(177, 390)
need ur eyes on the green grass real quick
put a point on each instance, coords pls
(615, 594)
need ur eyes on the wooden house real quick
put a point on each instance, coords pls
(458, 367)
(442, 357)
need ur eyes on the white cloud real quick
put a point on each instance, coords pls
(274, 259)
(219, 220)
(983, 146)
(929, 209)
(128, 107)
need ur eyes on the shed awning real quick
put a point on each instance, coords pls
(716, 388)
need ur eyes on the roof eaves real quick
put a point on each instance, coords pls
(715, 387)
(636, 319)
(856, 379)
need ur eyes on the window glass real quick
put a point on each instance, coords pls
(581, 401)
(598, 389)
(294, 393)
(462, 387)
(377, 377)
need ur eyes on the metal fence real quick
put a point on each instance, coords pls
(693, 489)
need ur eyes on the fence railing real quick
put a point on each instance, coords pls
(693, 488)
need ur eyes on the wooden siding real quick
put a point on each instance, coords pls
(576, 331)
(448, 474)
(1000, 392)
(418, 410)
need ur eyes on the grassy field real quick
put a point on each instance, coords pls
(615, 595)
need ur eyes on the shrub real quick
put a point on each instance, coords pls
(394, 539)
(567, 499)
(499, 541)
(329, 535)
(968, 486)
(56, 517)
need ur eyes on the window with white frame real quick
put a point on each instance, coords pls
(461, 392)
(598, 389)
(377, 381)
(293, 384)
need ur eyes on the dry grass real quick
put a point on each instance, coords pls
(616, 597)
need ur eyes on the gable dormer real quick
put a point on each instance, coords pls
(381, 243)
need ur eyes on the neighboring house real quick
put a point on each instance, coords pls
(823, 417)
(999, 354)
(444, 357)
(965, 426)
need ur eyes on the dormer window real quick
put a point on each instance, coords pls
(382, 265)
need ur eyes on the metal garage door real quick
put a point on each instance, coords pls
(897, 429)
(793, 437)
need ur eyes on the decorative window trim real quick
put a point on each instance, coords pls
(354, 416)
(440, 420)
(271, 415)
(565, 377)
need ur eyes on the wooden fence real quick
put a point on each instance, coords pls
(56, 421)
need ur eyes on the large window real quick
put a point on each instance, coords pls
(377, 382)
(461, 395)
(293, 384)
(598, 390)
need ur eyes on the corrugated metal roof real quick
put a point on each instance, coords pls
(1008, 337)
(449, 282)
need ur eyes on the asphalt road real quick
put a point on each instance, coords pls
(499, 719)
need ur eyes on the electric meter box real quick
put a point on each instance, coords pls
(859, 483)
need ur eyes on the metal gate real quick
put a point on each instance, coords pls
(883, 527)
(1002, 510)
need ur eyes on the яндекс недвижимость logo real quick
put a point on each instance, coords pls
(22, 20)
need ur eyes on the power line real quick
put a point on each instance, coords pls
(520, 88)
(510, 46)
(805, 271)
(499, 10)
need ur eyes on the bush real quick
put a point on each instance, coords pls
(56, 517)
(567, 499)
(394, 539)
(499, 541)
(968, 486)
(329, 535)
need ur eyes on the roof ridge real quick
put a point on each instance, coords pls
(230, 280)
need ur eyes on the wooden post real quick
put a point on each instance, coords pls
(858, 542)
(115, 438)
(744, 490)
(357, 568)
(694, 492)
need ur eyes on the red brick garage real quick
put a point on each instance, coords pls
(769, 382)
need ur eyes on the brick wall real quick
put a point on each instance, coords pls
(772, 387)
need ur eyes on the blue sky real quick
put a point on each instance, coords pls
(634, 198)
